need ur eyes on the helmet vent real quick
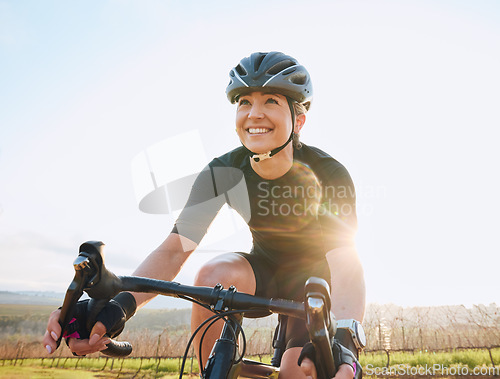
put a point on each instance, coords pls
(280, 66)
(258, 62)
(299, 78)
(241, 71)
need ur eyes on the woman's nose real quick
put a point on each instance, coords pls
(255, 112)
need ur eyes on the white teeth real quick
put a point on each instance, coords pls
(258, 130)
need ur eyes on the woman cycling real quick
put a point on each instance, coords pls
(299, 204)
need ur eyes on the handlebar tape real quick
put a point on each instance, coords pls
(118, 349)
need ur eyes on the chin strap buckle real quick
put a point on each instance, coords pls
(261, 157)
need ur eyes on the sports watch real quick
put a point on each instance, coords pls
(356, 331)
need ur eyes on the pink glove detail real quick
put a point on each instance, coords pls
(75, 334)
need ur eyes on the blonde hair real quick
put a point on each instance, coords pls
(299, 109)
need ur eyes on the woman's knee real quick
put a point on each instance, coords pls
(228, 269)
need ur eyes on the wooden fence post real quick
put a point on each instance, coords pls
(18, 351)
(105, 363)
(158, 354)
(139, 370)
(491, 356)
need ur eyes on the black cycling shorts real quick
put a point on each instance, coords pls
(286, 281)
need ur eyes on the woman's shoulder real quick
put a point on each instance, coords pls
(314, 156)
(328, 169)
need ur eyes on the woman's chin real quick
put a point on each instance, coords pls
(257, 148)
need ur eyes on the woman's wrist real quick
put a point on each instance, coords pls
(127, 302)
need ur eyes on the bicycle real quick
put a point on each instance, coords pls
(101, 285)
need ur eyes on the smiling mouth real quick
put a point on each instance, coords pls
(258, 130)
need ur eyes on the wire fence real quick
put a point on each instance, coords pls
(389, 329)
(394, 328)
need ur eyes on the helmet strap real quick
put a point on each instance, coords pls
(260, 157)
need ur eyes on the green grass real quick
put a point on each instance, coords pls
(169, 368)
(16, 372)
(470, 358)
(146, 366)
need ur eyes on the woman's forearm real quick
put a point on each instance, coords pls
(164, 263)
(348, 284)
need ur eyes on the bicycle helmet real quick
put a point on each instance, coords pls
(272, 72)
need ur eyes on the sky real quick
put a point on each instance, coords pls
(405, 96)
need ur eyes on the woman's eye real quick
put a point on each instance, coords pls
(244, 102)
(272, 101)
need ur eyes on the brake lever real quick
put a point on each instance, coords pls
(320, 324)
(101, 285)
(320, 337)
(104, 284)
(84, 272)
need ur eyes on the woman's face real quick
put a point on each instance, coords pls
(263, 121)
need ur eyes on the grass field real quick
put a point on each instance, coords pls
(453, 362)
(470, 358)
(35, 372)
(12, 372)
(22, 327)
(94, 367)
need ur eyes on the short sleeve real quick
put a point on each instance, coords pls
(214, 186)
(201, 208)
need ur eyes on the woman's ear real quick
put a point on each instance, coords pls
(300, 120)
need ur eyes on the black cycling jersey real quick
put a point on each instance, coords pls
(294, 220)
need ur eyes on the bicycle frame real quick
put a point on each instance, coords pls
(223, 352)
(101, 285)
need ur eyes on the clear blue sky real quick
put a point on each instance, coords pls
(406, 97)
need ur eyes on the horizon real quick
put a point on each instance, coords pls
(168, 303)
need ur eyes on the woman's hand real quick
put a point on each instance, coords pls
(345, 371)
(97, 341)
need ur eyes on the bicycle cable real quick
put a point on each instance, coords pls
(212, 320)
(239, 328)
(195, 301)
